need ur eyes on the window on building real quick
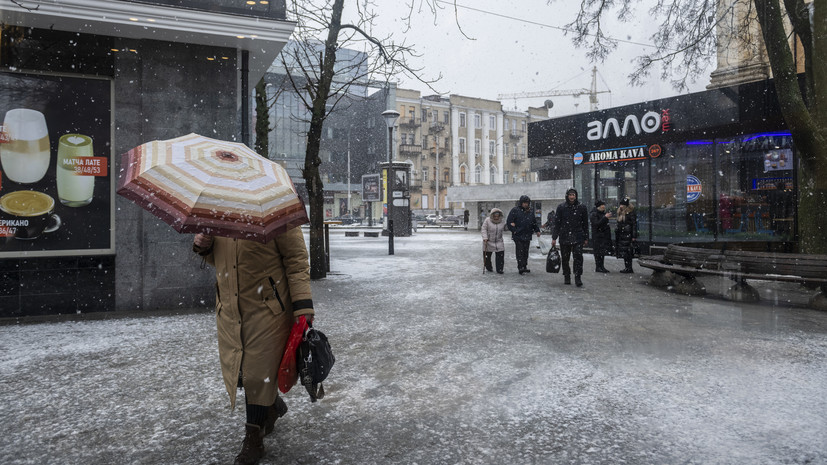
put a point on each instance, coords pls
(522, 150)
(491, 147)
(478, 174)
(412, 112)
(477, 146)
(446, 116)
(492, 121)
(424, 201)
(493, 178)
(462, 120)
(477, 120)
(505, 149)
(461, 144)
(507, 124)
(505, 177)
(522, 126)
(403, 138)
(462, 174)
(435, 116)
(424, 173)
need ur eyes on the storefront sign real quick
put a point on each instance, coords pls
(56, 185)
(650, 122)
(614, 155)
(693, 188)
(578, 158)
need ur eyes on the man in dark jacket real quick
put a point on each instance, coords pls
(601, 235)
(522, 223)
(571, 225)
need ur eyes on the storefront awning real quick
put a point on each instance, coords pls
(263, 38)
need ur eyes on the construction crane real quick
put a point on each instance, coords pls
(592, 93)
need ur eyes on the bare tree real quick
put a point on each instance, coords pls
(686, 40)
(321, 81)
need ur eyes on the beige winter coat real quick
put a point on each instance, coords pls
(492, 232)
(252, 324)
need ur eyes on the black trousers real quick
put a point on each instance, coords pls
(500, 258)
(599, 261)
(628, 255)
(521, 248)
(566, 251)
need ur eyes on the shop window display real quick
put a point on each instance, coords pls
(756, 187)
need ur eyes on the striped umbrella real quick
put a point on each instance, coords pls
(198, 184)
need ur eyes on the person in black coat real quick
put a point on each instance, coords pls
(626, 234)
(522, 223)
(571, 225)
(601, 235)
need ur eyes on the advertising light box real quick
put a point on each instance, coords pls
(56, 182)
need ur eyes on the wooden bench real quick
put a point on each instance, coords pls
(680, 265)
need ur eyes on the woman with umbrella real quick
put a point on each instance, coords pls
(261, 289)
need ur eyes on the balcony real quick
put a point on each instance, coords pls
(410, 150)
(516, 134)
(517, 158)
(436, 126)
(408, 122)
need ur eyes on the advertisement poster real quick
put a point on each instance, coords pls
(56, 182)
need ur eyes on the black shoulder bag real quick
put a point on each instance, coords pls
(314, 359)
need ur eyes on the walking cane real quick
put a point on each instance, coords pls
(483, 256)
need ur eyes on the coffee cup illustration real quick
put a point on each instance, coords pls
(28, 214)
(74, 189)
(24, 154)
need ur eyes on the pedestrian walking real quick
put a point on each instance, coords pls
(571, 226)
(626, 234)
(261, 291)
(492, 239)
(522, 223)
(601, 235)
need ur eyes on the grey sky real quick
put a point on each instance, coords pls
(519, 47)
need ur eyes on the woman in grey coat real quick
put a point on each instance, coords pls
(492, 239)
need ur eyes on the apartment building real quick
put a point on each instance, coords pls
(460, 141)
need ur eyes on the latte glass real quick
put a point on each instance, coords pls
(73, 189)
(25, 158)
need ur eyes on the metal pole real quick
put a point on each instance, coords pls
(390, 191)
(349, 211)
(436, 183)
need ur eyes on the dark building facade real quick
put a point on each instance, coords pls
(122, 73)
(711, 166)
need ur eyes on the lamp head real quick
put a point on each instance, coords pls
(390, 117)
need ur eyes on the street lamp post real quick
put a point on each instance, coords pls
(390, 118)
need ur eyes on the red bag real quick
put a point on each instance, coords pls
(288, 375)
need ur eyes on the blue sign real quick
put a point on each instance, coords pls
(578, 158)
(693, 188)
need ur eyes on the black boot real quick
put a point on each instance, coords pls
(577, 281)
(566, 279)
(274, 412)
(252, 449)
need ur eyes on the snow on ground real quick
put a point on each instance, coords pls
(440, 364)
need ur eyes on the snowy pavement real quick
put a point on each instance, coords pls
(440, 364)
